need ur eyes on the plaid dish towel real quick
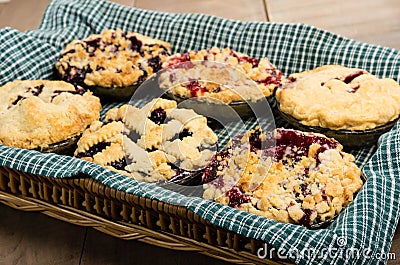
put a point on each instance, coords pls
(362, 234)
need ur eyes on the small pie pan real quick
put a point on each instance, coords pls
(187, 183)
(65, 147)
(348, 138)
(326, 223)
(322, 224)
(107, 94)
(219, 111)
(144, 87)
(187, 178)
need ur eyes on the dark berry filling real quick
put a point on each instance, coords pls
(37, 90)
(195, 87)
(70, 51)
(94, 150)
(119, 165)
(152, 149)
(301, 140)
(205, 58)
(305, 189)
(236, 197)
(115, 48)
(158, 116)
(178, 59)
(135, 44)
(255, 141)
(293, 145)
(172, 77)
(159, 46)
(274, 78)
(95, 43)
(210, 171)
(76, 75)
(78, 90)
(19, 98)
(253, 61)
(277, 153)
(100, 68)
(154, 63)
(323, 195)
(245, 59)
(347, 79)
(306, 219)
(185, 133)
(353, 89)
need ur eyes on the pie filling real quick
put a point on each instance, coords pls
(156, 143)
(348, 98)
(225, 75)
(45, 115)
(112, 59)
(286, 175)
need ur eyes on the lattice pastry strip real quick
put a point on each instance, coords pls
(159, 141)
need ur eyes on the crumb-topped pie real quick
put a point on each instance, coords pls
(40, 113)
(340, 98)
(202, 74)
(112, 59)
(157, 142)
(286, 175)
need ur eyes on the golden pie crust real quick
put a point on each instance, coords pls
(152, 143)
(244, 78)
(39, 113)
(289, 183)
(111, 59)
(337, 97)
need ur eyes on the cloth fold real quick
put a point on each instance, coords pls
(366, 227)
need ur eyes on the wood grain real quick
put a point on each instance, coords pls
(32, 238)
(24, 15)
(376, 22)
(104, 249)
(247, 10)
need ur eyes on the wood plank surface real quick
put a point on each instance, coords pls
(247, 10)
(104, 249)
(370, 21)
(31, 238)
(27, 14)
(395, 249)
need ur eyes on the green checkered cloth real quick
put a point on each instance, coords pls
(365, 228)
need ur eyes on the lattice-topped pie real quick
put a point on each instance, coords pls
(202, 74)
(111, 59)
(340, 98)
(154, 143)
(36, 114)
(286, 175)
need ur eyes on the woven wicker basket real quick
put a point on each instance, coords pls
(86, 202)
